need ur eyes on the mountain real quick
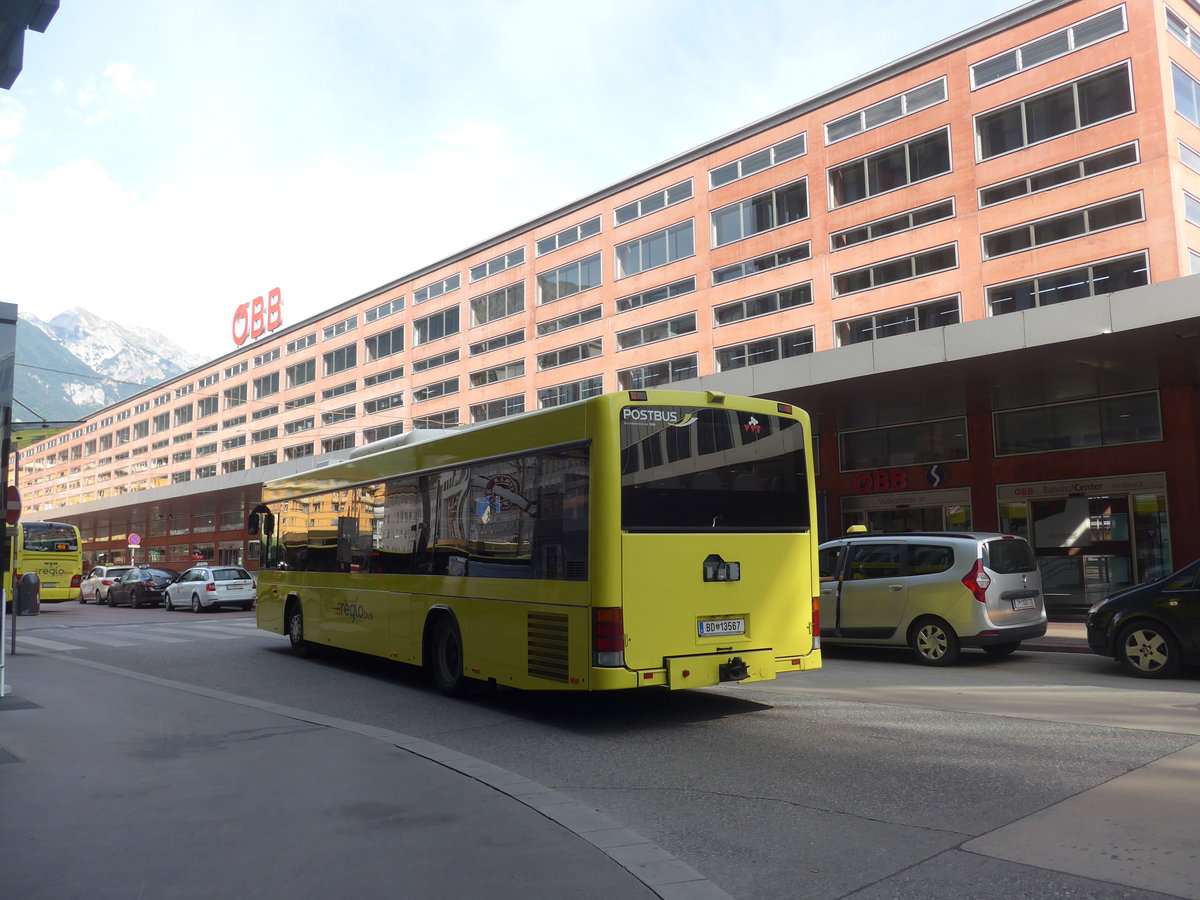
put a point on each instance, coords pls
(79, 362)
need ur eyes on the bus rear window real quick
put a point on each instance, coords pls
(49, 537)
(705, 469)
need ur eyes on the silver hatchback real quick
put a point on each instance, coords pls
(935, 592)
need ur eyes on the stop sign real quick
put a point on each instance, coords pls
(12, 513)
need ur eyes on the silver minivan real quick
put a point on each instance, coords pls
(935, 592)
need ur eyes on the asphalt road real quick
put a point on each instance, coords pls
(1043, 774)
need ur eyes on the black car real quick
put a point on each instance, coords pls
(141, 585)
(1150, 628)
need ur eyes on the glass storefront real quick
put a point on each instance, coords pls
(948, 510)
(1092, 537)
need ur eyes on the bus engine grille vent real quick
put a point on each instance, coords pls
(548, 646)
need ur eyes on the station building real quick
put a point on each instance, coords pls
(972, 266)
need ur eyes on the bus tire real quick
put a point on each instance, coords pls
(295, 630)
(446, 657)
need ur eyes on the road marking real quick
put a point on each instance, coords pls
(44, 644)
(79, 634)
(138, 633)
(177, 631)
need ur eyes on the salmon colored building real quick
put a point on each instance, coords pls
(969, 265)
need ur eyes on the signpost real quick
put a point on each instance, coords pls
(135, 541)
(12, 512)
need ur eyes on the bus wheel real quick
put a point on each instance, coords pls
(446, 658)
(295, 631)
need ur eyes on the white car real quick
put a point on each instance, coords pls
(211, 587)
(98, 581)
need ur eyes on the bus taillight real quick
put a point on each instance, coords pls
(75, 580)
(608, 636)
(816, 623)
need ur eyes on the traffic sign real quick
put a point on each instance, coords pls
(134, 539)
(12, 513)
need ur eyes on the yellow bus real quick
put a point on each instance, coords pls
(54, 551)
(636, 539)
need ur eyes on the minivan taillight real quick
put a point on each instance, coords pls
(608, 636)
(978, 581)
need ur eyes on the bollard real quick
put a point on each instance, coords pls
(29, 595)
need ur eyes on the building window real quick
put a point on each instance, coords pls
(180, 477)
(1050, 46)
(643, 206)
(234, 422)
(655, 374)
(1058, 111)
(766, 263)
(206, 471)
(306, 400)
(657, 331)
(341, 442)
(339, 328)
(301, 343)
(1071, 284)
(889, 110)
(498, 409)
(258, 460)
(436, 326)
(904, 320)
(497, 343)
(763, 304)
(230, 466)
(654, 295)
(434, 362)
(207, 449)
(881, 228)
(183, 415)
(298, 452)
(1191, 207)
(508, 301)
(181, 456)
(371, 435)
(161, 422)
(381, 377)
(905, 268)
(1064, 227)
(266, 434)
(758, 161)
(140, 430)
(784, 346)
(890, 169)
(266, 386)
(235, 396)
(301, 373)
(573, 278)
(334, 416)
(382, 404)
(431, 291)
(1189, 157)
(205, 406)
(340, 360)
(562, 323)
(435, 390)
(181, 391)
(264, 413)
(447, 419)
(569, 393)
(1194, 257)
(1056, 176)
(299, 425)
(387, 343)
(263, 358)
(206, 381)
(1099, 422)
(503, 372)
(181, 437)
(383, 310)
(659, 248)
(565, 356)
(499, 264)
(339, 390)
(763, 212)
(918, 443)
(569, 236)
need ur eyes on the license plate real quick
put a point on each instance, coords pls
(49, 584)
(714, 627)
(233, 587)
(1024, 602)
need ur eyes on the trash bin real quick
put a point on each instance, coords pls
(29, 595)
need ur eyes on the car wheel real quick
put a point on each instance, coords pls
(295, 627)
(246, 607)
(82, 597)
(196, 607)
(111, 600)
(934, 643)
(1001, 649)
(134, 600)
(446, 657)
(170, 607)
(1148, 650)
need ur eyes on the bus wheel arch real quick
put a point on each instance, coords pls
(442, 655)
(293, 626)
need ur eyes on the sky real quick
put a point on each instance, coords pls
(163, 162)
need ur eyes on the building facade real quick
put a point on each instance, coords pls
(910, 256)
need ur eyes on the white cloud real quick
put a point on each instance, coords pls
(119, 89)
(12, 116)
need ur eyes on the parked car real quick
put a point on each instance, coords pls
(935, 592)
(95, 586)
(1150, 628)
(141, 585)
(211, 587)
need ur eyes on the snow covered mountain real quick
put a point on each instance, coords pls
(79, 362)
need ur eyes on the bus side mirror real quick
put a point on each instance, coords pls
(252, 524)
(268, 524)
(261, 519)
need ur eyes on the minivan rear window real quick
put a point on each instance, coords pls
(1007, 556)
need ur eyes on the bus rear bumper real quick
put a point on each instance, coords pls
(706, 670)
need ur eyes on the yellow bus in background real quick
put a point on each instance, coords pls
(636, 539)
(54, 551)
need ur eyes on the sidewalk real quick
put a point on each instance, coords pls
(115, 785)
(1061, 637)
